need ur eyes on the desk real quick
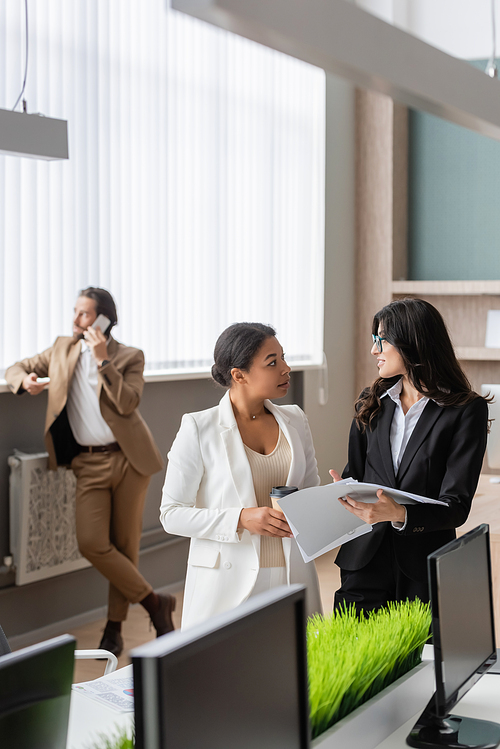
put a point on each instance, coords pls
(482, 702)
(88, 718)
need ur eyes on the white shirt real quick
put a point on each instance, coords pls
(402, 426)
(84, 414)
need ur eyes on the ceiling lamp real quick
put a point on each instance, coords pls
(32, 135)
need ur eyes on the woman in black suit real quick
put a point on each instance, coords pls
(421, 428)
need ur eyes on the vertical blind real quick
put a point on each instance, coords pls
(194, 190)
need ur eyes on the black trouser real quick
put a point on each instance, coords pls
(378, 582)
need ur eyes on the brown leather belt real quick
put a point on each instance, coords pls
(113, 447)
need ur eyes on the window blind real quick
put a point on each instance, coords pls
(194, 190)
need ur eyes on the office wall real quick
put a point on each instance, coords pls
(454, 223)
(453, 172)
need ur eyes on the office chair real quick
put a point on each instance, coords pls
(98, 654)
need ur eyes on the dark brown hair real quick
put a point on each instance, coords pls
(236, 347)
(104, 304)
(417, 330)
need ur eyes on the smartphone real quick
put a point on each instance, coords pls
(102, 322)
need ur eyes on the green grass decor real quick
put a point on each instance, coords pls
(122, 739)
(351, 659)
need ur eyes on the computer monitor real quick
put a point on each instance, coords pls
(237, 680)
(463, 633)
(493, 448)
(35, 692)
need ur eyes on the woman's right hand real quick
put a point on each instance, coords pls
(266, 521)
(335, 476)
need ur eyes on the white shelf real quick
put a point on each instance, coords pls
(447, 288)
(477, 353)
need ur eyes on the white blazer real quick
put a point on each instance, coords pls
(208, 483)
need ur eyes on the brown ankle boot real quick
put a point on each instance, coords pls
(112, 640)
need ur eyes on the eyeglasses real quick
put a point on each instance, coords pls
(377, 340)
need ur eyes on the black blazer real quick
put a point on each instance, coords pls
(442, 460)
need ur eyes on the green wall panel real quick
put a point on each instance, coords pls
(454, 186)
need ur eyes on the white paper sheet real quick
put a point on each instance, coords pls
(318, 521)
(116, 693)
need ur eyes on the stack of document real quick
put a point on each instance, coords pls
(318, 521)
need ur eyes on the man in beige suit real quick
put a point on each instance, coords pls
(92, 423)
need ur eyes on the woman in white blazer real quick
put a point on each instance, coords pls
(222, 465)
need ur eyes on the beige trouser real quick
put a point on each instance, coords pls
(110, 498)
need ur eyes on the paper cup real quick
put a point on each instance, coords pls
(278, 492)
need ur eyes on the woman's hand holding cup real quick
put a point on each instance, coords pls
(265, 521)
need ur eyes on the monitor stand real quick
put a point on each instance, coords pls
(452, 732)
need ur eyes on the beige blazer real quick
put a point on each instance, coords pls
(208, 482)
(120, 385)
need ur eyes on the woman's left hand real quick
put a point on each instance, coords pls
(384, 509)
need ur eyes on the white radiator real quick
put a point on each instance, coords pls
(42, 519)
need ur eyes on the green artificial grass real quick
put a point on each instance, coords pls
(351, 659)
(122, 739)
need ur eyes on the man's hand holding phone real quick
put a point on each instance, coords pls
(96, 340)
